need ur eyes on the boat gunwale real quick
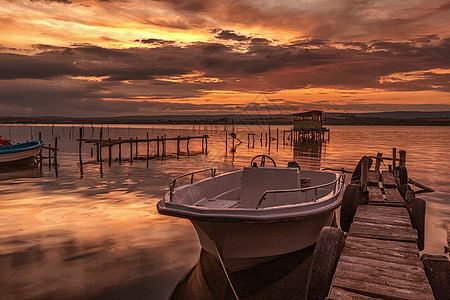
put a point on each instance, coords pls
(263, 215)
(9, 149)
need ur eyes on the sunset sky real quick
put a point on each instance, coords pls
(165, 57)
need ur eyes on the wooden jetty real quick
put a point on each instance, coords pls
(379, 258)
(161, 146)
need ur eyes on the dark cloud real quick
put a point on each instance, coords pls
(231, 35)
(155, 41)
(57, 78)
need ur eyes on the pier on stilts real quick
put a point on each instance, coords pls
(378, 256)
(132, 143)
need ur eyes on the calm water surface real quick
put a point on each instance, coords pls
(97, 235)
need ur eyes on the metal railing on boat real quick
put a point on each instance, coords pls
(174, 180)
(338, 183)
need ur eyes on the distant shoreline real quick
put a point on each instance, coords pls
(353, 121)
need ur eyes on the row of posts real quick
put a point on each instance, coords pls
(161, 148)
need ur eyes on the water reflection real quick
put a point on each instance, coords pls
(101, 237)
(310, 152)
(31, 170)
(282, 278)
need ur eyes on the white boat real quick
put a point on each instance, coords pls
(252, 215)
(20, 153)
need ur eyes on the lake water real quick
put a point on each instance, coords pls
(97, 235)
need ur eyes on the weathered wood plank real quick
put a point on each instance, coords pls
(377, 245)
(341, 294)
(392, 195)
(380, 270)
(375, 220)
(380, 290)
(376, 263)
(362, 249)
(383, 232)
(373, 177)
(375, 194)
(388, 179)
(382, 257)
(388, 281)
(386, 211)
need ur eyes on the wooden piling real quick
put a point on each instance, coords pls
(157, 146)
(40, 135)
(80, 145)
(402, 162)
(394, 158)
(364, 175)
(55, 152)
(178, 146)
(148, 149)
(378, 161)
(100, 143)
(206, 144)
(120, 150)
(136, 144)
(109, 152)
(131, 150)
(187, 146)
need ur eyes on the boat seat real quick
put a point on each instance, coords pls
(217, 203)
(255, 181)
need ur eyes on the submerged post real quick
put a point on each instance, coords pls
(148, 149)
(378, 161)
(206, 144)
(394, 158)
(100, 144)
(131, 150)
(364, 171)
(178, 146)
(136, 147)
(402, 162)
(80, 145)
(120, 150)
(109, 152)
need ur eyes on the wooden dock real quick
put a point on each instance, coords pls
(380, 258)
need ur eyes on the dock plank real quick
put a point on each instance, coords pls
(375, 194)
(380, 290)
(388, 179)
(383, 232)
(377, 245)
(373, 177)
(337, 293)
(392, 195)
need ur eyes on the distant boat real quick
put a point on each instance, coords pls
(20, 153)
(250, 216)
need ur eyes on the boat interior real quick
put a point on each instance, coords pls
(244, 188)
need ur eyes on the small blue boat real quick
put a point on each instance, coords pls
(20, 153)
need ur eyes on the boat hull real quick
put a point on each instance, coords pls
(17, 155)
(242, 245)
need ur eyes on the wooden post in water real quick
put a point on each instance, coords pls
(136, 148)
(40, 135)
(266, 138)
(394, 158)
(157, 146)
(109, 152)
(178, 146)
(187, 145)
(203, 144)
(55, 153)
(165, 146)
(402, 162)
(131, 150)
(378, 161)
(148, 149)
(206, 144)
(100, 143)
(120, 150)
(49, 156)
(277, 138)
(226, 142)
(80, 145)
(364, 171)
(284, 137)
(291, 137)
